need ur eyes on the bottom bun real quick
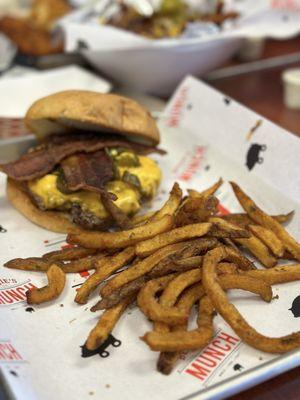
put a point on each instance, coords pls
(56, 221)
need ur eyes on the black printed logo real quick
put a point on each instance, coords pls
(296, 307)
(101, 350)
(2, 230)
(238, 367)
(253, 155)
(82, 45)
(227, 101)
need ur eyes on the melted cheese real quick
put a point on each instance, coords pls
(148, 173)
(128, 197)
(45, 188)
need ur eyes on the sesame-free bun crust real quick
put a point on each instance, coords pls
(91, 111)
(55, 221)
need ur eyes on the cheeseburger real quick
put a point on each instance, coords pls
(90, 168)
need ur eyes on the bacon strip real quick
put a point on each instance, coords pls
(40, 161)
(87, 171)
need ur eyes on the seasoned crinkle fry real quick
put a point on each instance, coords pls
(109, 265)
(269, 239)
(68, 254)
(232, 316)
(149, 246)
(279, 274)
(260, 217)
(208, 192)
(121, 239)
(56, 283)
(139, 269)
(258, 249)
(106, 323)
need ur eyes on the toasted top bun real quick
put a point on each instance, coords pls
(91, 111)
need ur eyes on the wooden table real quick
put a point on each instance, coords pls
(262, 92)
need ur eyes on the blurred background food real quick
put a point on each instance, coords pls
(169, 20)
(31, 31)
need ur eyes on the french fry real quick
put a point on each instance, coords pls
(142, 218)
(238, 259)
(195, 210)
(189, 340)
(232, 316)
(243, 220)
(258, 249)
(227, 227)
(68, 254)
(254, 285)
(30, 264)
(121, 239)
(229, 242)
(84, 264)
(109, 265)
(167, 360)
(163, 340)
(171, 205)
(279, 274)
(261, 218)
(164, 267)
(106, 323)
(41, 264)
(56, 283)
(124, 289)
(190, 262)
(269, 239)
(163, 310)
(207, 192)
(149, 306)
(115, 297)
(139, 269)
(234, 256)
(176, 235)
(227, 268)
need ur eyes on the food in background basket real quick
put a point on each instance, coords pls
(169, 20)
(32, 33)
(90, 168)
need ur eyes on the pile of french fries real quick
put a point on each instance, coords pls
(182, 255)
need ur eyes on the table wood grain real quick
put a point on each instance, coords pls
(262, 92)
